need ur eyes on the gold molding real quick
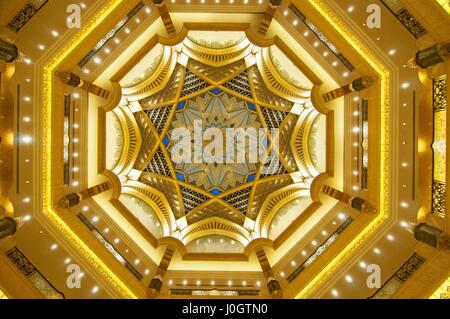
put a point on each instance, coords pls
(276, 83)
(215, 226)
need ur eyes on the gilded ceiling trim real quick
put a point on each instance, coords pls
(276, 83)
(157, 81)
(217, 57)
(132, 141)
(48, 212)
(155, 200)
(299, 142)
(384, 142)
(215, 226)
(273, 203)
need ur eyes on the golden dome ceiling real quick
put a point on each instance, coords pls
(227, 84)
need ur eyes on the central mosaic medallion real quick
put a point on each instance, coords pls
(219, 110)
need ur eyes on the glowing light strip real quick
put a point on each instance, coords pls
(383, 214)
(444, 4)
(52, 215)
(442, 290)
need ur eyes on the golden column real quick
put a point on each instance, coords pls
(74, 199)
(356, 202)
(156, 283)
(165, 17)
(273, 285)
(359, 84)
(430, 56)
(268, 17)
(75, 81)
(8, 51)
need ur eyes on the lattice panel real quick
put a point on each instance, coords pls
(274, 167)
(158, 164)
(439, 197)
(409, 268)
(215, 209)
(159, 117)
(148, 140)
(219, 74)
(191, 198)
(286, 131)
(192, 84)
(263, 190)
(240, 85)
(239, 199)
(440, 94)
(273, 118)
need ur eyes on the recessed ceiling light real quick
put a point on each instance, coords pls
(286, 12)
(405, 85)
(198, 282)
(293, 263)
(390, 237)
(26, 200)
(304, 253)
(27, 139)
(349, 279)
(404, 204)
(97, 60)
(127, 31)
(55, 33)
(107, 50)
(67, 261)
(341, 216)
(148, 10)
(334, 292)
(392, 52)
(94, 290)
(106, 230)
(54, 247)
(41, 47)
(230, 283)
(258, 283)
(377, 251)
(363, 265)
(95, 219)
(350, 9)
(185, 282)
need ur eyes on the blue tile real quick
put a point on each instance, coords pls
(181, 105)
(216, 91)
(166, 140)
(180, 177)
(251, 177)
(251, 107)
(216, 192)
